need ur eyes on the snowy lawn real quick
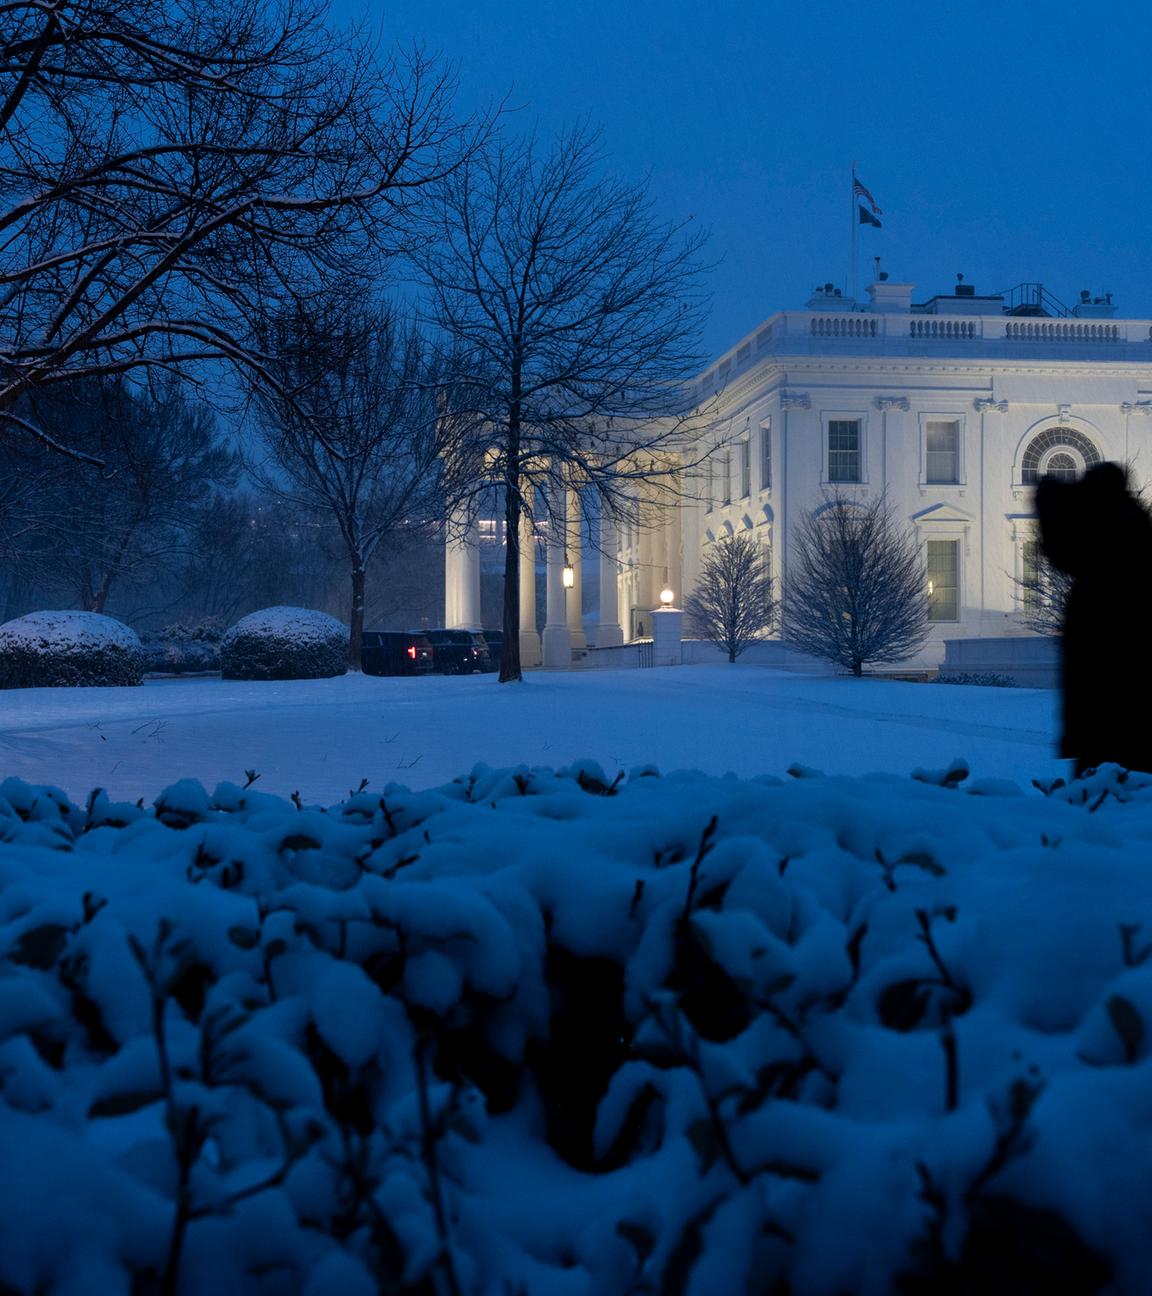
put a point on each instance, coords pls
(554, 1035)
(321, 737)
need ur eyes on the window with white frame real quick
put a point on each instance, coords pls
(942, 452)
(726, 477)
(943, 561)
(766, 454)
(710, 489)
(745, 468)
(844, 450)
(1060, 452)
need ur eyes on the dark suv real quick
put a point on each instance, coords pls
(395, 652)
(459, 652)
(495, 641)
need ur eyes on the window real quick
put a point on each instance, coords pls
(1030, 573)
(844, 450)
(766, 454)
(1062, 466)
(943, 580)
(942, 451)
(1062, 451)
(745, 468)
(726, 478)
(710, 496)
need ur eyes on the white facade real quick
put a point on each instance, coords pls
(953, 408)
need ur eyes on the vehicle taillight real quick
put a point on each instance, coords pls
(412, 651)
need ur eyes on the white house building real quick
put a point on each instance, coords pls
(954, 406)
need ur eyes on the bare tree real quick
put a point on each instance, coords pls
(732, 605)
(857, 590)
(170, 168)
(574, 316)
(252, 551)
(366, 377)
(130, 524)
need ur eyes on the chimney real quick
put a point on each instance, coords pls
(891, 298)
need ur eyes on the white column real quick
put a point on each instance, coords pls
(575, 554)
(557, 646)
(609, 632)
(462, 577)
(529, 637)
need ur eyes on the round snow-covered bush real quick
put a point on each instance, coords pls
(281, 643)
(71, 649)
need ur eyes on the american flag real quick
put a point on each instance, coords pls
(860, 192)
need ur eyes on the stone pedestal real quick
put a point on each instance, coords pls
(667, 636)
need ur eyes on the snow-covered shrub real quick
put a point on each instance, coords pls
(186, 647)
(191, 657)
(281, 643)
(52, 649)
(551, 1032)
(985, 679)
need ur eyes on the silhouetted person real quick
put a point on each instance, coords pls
(1101, 536)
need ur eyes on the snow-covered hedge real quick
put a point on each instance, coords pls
(281, 643)
(50, 649)
(185, 648)
(541, 1033)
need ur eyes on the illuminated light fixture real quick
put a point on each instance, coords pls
(666, 597)
(568, 575)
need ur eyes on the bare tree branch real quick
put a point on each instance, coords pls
(574, 317)
(175, 169)
(366, 380)
(857, 592)
(732, 605)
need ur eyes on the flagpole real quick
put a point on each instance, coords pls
(852, 221)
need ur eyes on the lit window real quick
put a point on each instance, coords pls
(766, 454)
(844, 450)
(942, 451)
(745, 468)
(943, 580)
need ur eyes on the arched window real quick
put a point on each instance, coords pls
(1062, 466)
(1060, 451)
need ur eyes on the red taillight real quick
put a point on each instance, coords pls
(412, 651)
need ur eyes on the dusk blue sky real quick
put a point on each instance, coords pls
(1007, 141)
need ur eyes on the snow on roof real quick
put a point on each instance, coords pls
(58, 630)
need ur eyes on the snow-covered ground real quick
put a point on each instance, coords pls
(533, 1033)
(322, 737)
